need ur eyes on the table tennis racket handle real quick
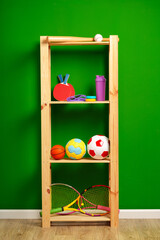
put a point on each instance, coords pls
(66, 79)
(60, 78)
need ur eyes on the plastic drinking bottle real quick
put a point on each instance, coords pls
(100, 88)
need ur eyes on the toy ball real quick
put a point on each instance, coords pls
(98, 38)
(57, 152)
(75, 148)
(98, 147)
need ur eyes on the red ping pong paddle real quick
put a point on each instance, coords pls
(72, 89)
(63, 90)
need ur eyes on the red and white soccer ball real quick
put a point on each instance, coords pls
(98, 147)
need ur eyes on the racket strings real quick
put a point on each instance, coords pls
(89, 209)
(62, 195)
(97, 196)
(92, 197)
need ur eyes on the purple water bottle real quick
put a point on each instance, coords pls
(100, 88)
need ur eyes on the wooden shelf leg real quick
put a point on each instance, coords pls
(45, 129)
(113, 130)
(46, 195)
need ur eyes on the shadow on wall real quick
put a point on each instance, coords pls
(23, 133)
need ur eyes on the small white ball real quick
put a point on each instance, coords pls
(98, 38)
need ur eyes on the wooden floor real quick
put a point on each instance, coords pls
(31, 230)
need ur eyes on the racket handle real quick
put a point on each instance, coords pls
(60, 78)
(103, 208)
(56, 210)
(66, 79)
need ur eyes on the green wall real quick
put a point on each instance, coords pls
(137, 24)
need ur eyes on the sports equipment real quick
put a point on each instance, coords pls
(98, 38)
(90, 100)
(98, 147)
(57, 152)
(79, 97)
(63, 90)
(93, 201)
(75, 148)
(100, 87)
(72, 91)
(91, 97)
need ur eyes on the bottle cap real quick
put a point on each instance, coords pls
(100, 78)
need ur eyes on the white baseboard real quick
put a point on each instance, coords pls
(19, 214)
(139, 214)
(124, 214)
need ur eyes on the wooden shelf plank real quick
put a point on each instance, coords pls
(78, 218)
(62, 39)
(78, 43)
(65, 102)
(84, 160)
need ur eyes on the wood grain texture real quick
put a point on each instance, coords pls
(84, 160)
(45, 129)
(78, 43)
(78, 218)
(78, 102)
(113, 129)
(128, 229)
(61, 39)
(49, 130)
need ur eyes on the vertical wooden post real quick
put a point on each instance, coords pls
(45, 129)
(113, 130)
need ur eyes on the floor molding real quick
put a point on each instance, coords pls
(124, 214)
(139, 214)
(19, 214)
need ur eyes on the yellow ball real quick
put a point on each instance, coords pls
(75, 148)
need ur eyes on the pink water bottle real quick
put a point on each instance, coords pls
(100, 88)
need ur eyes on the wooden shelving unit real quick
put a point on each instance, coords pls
(112, 160)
